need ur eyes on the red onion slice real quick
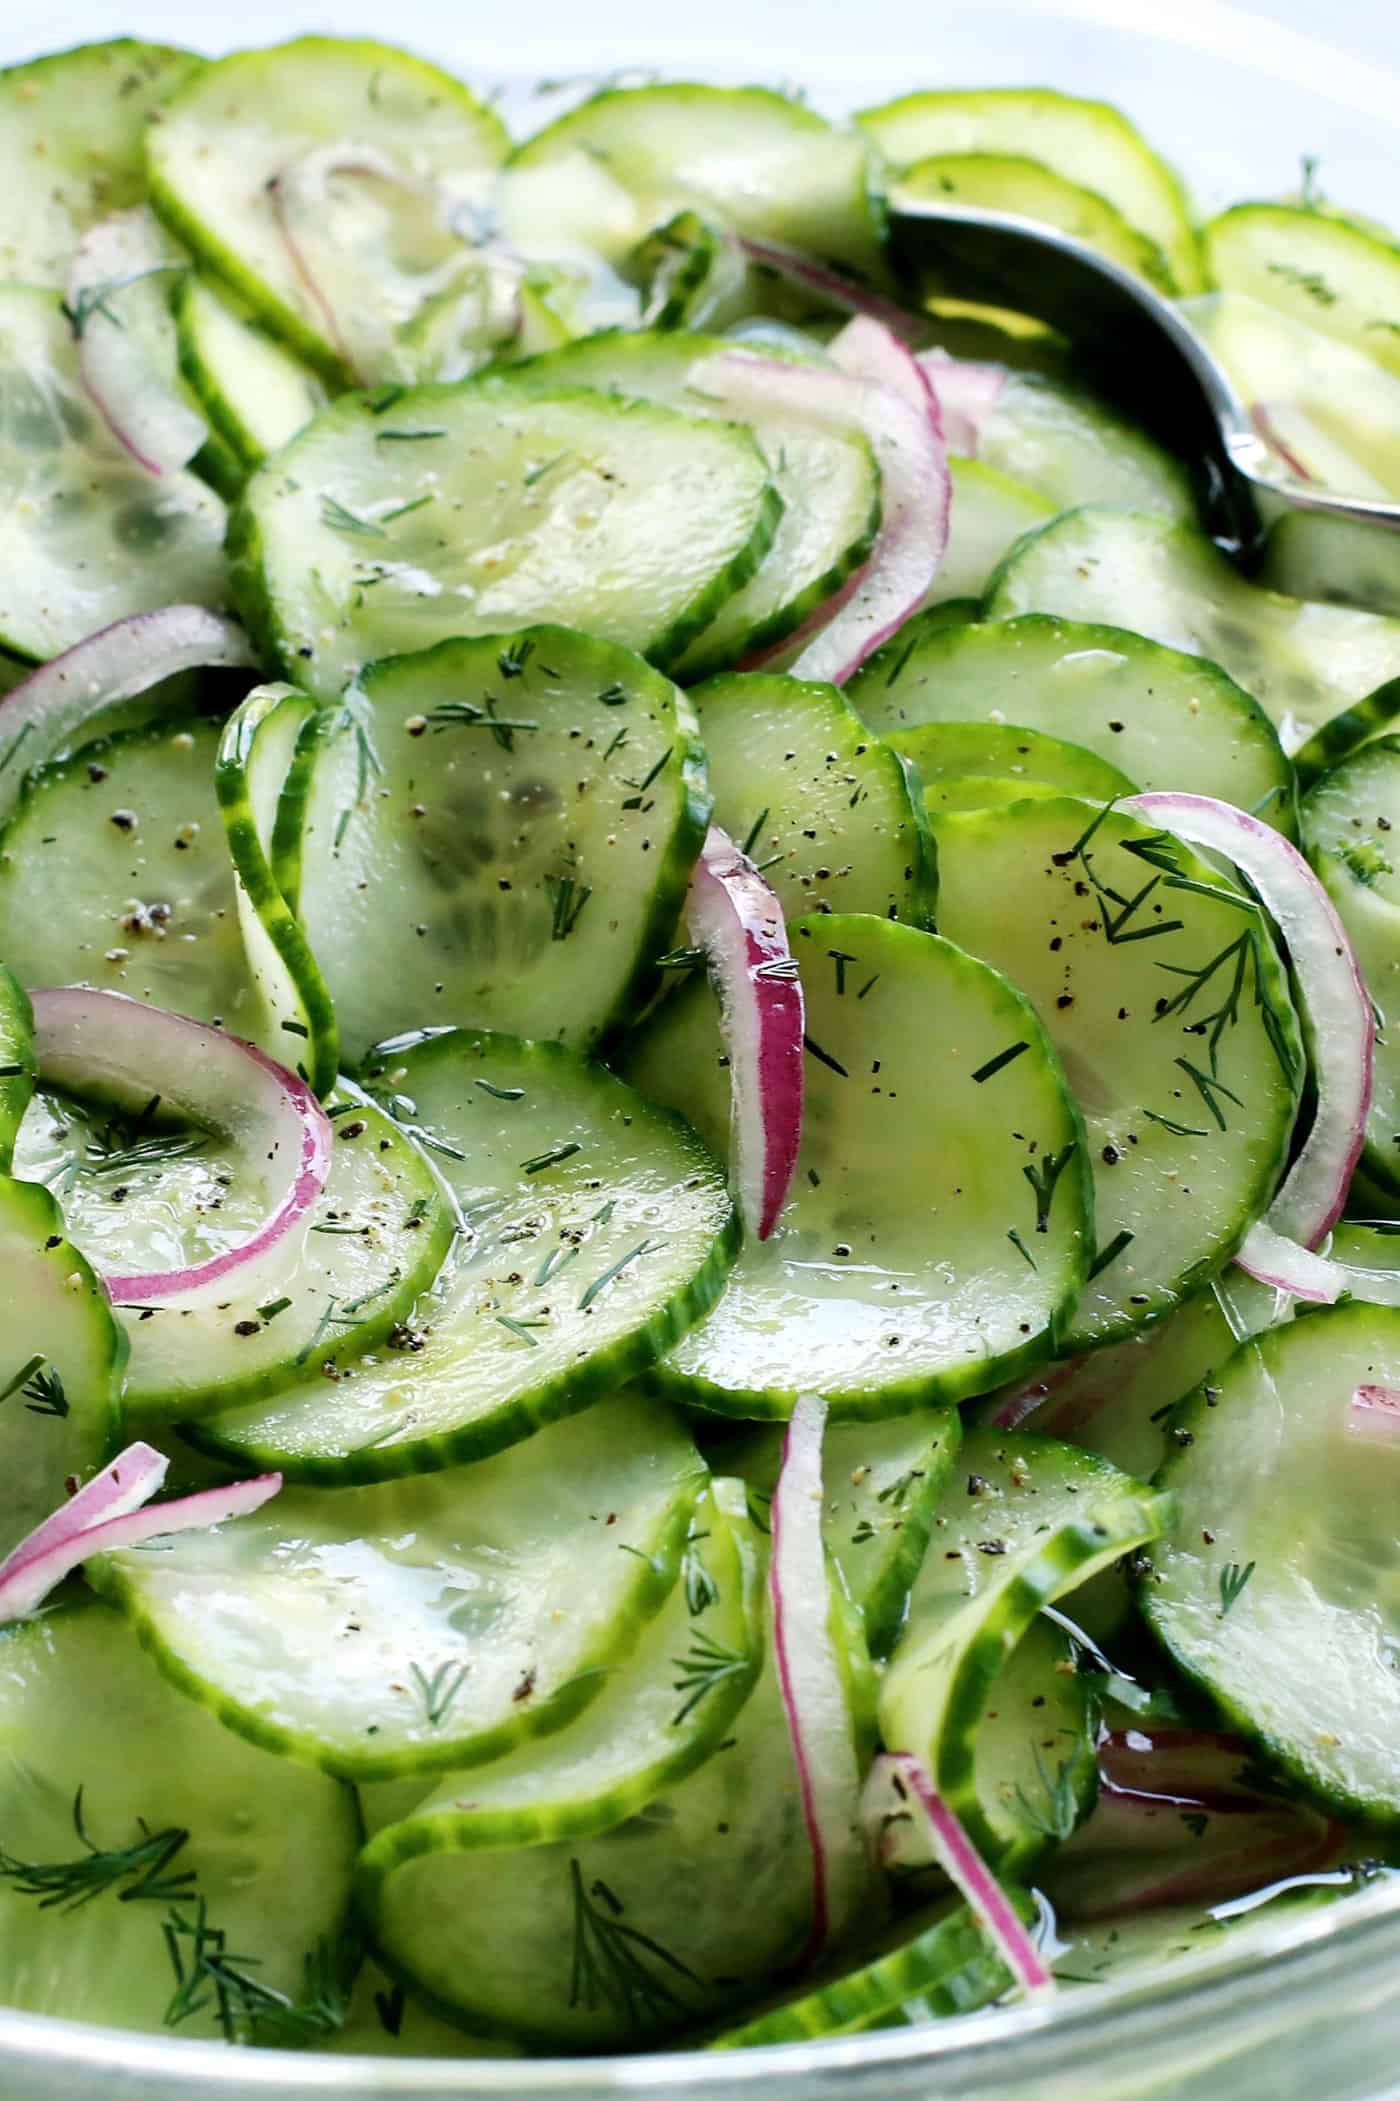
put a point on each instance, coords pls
(809, 1677)
(735, 917)
(57, 707)
(833, 286)
(133, 1052)
(878, 389)
(107, 1514)
(141, 403)
(907, 1778)
(1373, 1414)
(1313, 1191)
(966, 394)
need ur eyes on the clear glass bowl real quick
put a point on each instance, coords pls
(1236, 99)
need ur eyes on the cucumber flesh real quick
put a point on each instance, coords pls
(17, 1064)
(88, 536)
(1088, 142)
(928, 1300)
(1332, 274)
(397, 520)
(1030, 1520)
(62, 1365)
(1068, 445)
(1104, 935)
(91, 1733)
(822, 805)
(1301, 661)
(499, 832)
(1165, 719)
(1272, 1592)
(990, 512)
(72, 147)
(256, 393)
(1008, 182)
(768, 165)
(240, 125)
(564, 1177)
(829, 485)
(1030, 758)
(429, 1623)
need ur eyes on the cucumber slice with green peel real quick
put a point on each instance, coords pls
(1008, 182)
(1283, 1548)
(989, 514)
(885, 1308)
(133, 823)
(258, 749)
(507, 825)
(829, 485)
(824, 808)
(145, 1819)
(88, 536)
(1349, 822)
(73, 127)
(1032, 1521)
(691, 271)
(256, 393)
(430, 1623)
(661, 1924)
(1074, 449)
(942, 1961)
(1160, 986)
(1029, 758)
(883, 1482)
(1332, 559)
(598, 1230)
(384, 2020)
(1342, 735)
(1335, 275)
(1302, 662)
(1369, 1245)
(397, 520)
(380, 1232)
(764, 163)
(17, 1062)
(983, 791)
(62, 1363)
(1087, 142)
(1165, 719)
(242, 123)
(662, 1713)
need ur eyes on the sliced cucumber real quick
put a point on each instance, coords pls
(1007, 182)
(1032, 1520)
(765, 163)
(382, 2020)
(429, 1623)
(239, 126)
(598, 1229)
(179, 1837)
(62, 1366)
(1350, 822)
(1074, 449)
(1301, 661)
(885, 1305)
(1274, 1591)
(1167, 720)
(257, 751)
(1343, 734)
(1330, 558)
(140, 1195)
(1339, 277)
(943, 751)
(1086, 142)
(1161, 988)
(990, 512)
(88, 535)
(393, 523)
(691, 271)
(667, 1920)
(829, 485)
(256, 393)
(664, 1710)
(823, 806)
(500, 832)
(17, 1065)
(72, 147)
(983, 791)
(883, 1482)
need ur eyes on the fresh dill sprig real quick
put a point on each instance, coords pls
(1233, 1579)
(706, 1664)
(143, 1866)
(567, 899)
(466, 715)
(1058, 1815)
(1043, 1179)
(700, 1588)
(617, 1965)
(439, 1692)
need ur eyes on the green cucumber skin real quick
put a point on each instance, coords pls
(18, 1066)
(658, 1573)
(279, 922)
(1344, 734)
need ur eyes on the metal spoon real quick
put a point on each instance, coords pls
(1141, 352)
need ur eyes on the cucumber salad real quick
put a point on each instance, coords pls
(699, 1073)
